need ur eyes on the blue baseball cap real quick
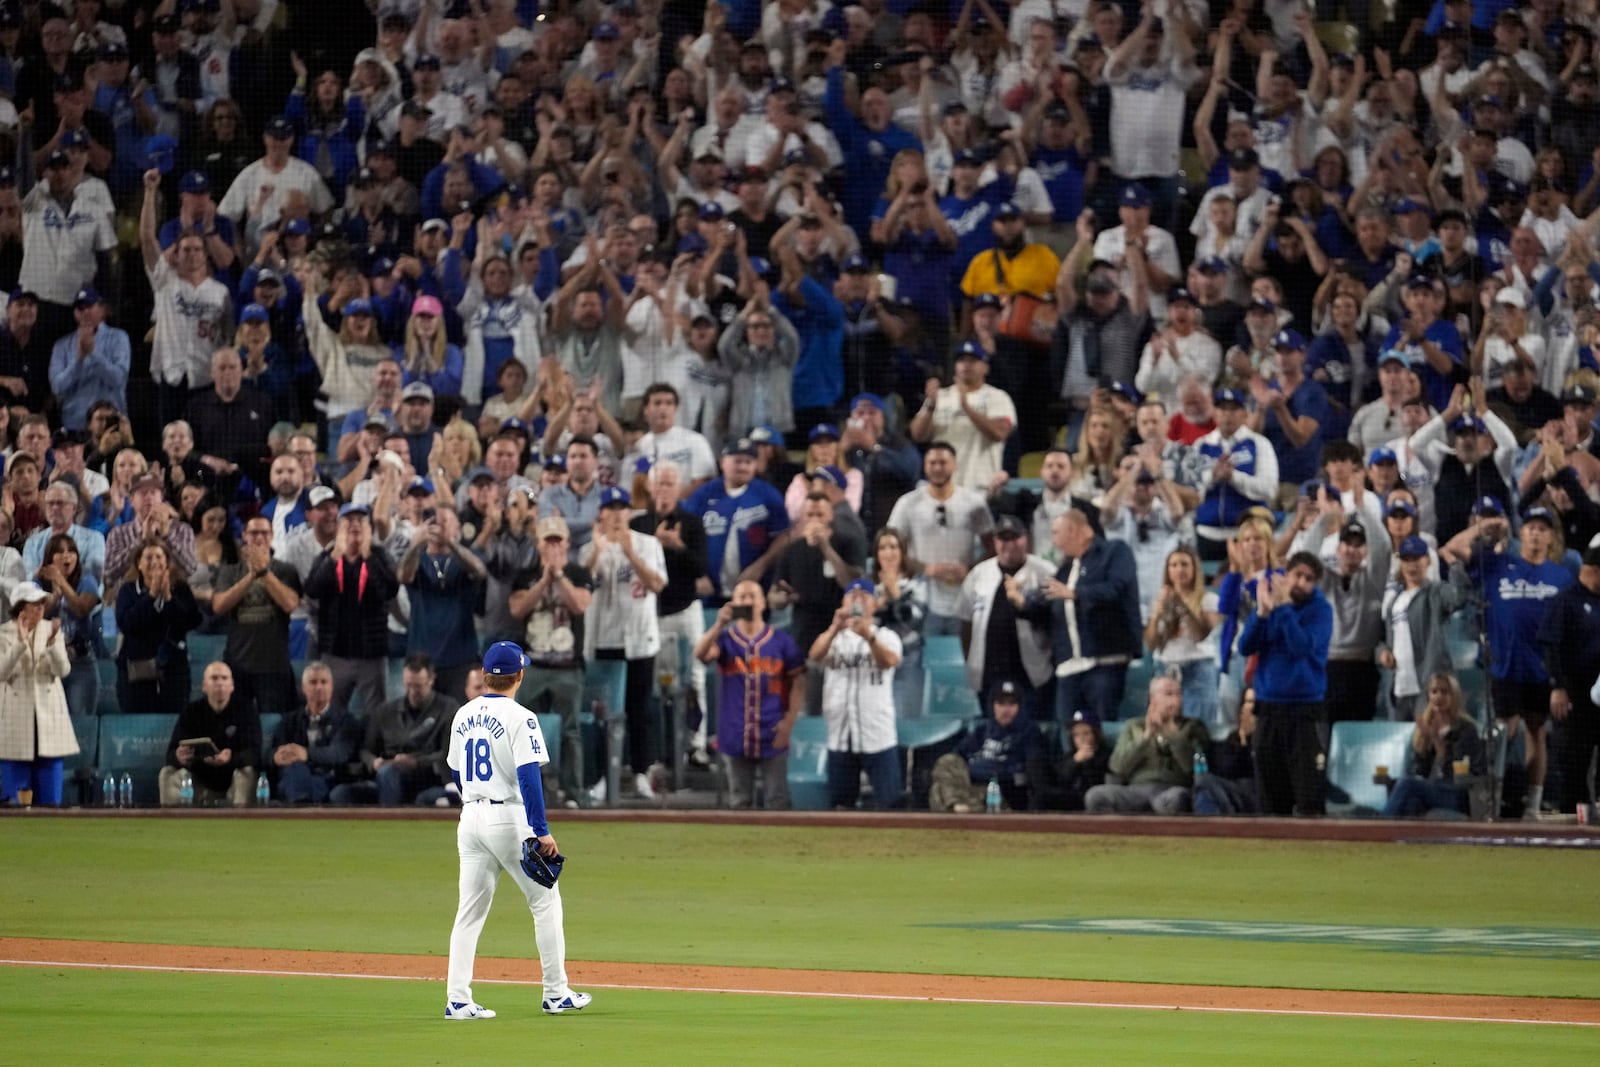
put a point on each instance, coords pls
(831, 473)
(1468, 424)
(612, 497)
(1212, 265)
(280, 129)
(1128, 392)
(421, 484)
(1408, 205)
(985, 300)
(710, 211)
(606, 31)
(1180, 295)
(1488, 505)
(427, 61)
(872, 399)
(87, 296)
(194, 182)
(354, 509)
(1228, 396)
(555, 461)
(503, 658)
(75, 139)
(1382, 455)
(1393, 355)
(824, 429)
(1413, 547)
(862, 585)
(1289, 340)
(359, 306)
(1401, 507)
(764, 435)
(760, 266)
(966, 157)
(972, 350)
(692, 243)
(253, 313)
(1135, 195)
(1539, 514)
(746, 446)
(1008, 210)
(297, 228)
(1261, 303)
(380, 266)
(855, 263)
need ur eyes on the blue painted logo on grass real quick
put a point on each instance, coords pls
(1550, 943)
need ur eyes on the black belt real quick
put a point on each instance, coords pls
(485, 800)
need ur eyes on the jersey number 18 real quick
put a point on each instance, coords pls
(476, 763)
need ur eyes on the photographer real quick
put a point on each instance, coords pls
(858, 661)
(1515, 587)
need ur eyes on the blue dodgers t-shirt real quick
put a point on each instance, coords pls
(1296, 465)
(754, 517)
(1436, 386)
(1518, 593)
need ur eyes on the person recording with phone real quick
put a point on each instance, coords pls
(1475, 462)
(443, 578)
(858, 660)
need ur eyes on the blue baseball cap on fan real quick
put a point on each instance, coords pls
(862, 585)
(1413, 547)
(503, 658)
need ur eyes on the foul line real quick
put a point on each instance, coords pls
(811, 994)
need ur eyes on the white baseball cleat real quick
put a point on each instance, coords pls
(571, 1002)
(466, 1010)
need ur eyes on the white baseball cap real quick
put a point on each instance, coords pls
(27, 593)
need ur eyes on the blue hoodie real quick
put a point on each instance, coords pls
(1292, 643)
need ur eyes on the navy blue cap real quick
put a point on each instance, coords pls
(762, 267)
(1128, 392)
(1180, 295)
(955, 107)
(1135, 195)
(381, 265)
(1228, 396)
(855, 263)
(1382, 455)
(692, 243)
(555, 461)
(1008, 210)
(972, 350)
(365, 176)
(1007, 691)
(253, 313)
(867, 398)
(194, 182)
(1539, 514)
(86, 296)
(75, 139)
(420, 484)
(426, 61)
(606, 31)
(862, 585)
(780, 85)
(57, 158)
(710, 211)
(744, 446)
(22, 292)
(296, 228)
(765, 434)
(504, 658)
(1289, 340)
(280, 129)
(612, 497)
(832, 474)
(985, 300)
(966, 158)
(824, 429)
(1413, 547)
(1243, 159)
(1488, 505)
(1469, 424)
(1261, 303)
(1212, 265)
(1401, 507)
(8, 178)
(354, 509)
(359, 306)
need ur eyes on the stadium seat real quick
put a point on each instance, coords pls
(942, 649)
(1136, 692)
(1110, 731)
(106, 701)
(136, 744)
(1020, 485)
(550, 726)
(204, 649)
(924, 741)
(605, 681)
(808, 764)
(269, 725)
(1461, 638)
(1474, 697)
(945, 692)
(1357, 749)
(87, 730)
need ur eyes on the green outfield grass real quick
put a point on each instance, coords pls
(830, 898)
(99, 1017)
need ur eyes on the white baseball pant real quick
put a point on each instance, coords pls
(489, 841)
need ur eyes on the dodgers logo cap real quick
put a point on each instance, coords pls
(504, 657)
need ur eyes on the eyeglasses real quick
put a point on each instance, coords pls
(944, 515)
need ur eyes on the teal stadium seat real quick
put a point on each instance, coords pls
(269, 723)
(136, 744)
(945, 692)
(1136, 692)
(923, 741)
(1356, 750)
(605, 681)
(1110, 731)
(87, 730)
(942, 650)
(550, 726)
(106, 701)
(808, 764)
(1474, 693)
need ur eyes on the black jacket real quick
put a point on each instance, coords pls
(149, 631)
(352, 622)
(338, 742)
(684, 565)
(236, 727)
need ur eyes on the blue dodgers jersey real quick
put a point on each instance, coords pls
(755, 517)
(1518, 593)
(1223, 504)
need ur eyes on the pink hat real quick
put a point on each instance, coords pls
(427, 305)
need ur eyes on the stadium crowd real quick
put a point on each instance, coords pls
(1226, 346)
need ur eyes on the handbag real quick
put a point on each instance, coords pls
(143, 670)
(1024, 317)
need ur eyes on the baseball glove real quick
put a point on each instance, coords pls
(537, 866)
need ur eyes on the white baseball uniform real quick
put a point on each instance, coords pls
(495, 748)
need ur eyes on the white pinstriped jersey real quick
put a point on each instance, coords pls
(490, 738)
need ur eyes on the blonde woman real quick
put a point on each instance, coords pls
(1178, 634)
(1446, 742)
(908, 178)
(1251, 553)
(462, 449)
(345, 358)
(823, 451)
(427, 355)
(115, 506)
(1099, 455)
(36, 732)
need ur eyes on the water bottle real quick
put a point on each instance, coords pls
(185, 789)
(1200, 764)
(108, 791)
(263, 791)
(991, 797)
(125, 791)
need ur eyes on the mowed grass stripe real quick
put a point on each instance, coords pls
(107, 1017)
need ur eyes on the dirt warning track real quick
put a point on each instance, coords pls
(848, 985)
